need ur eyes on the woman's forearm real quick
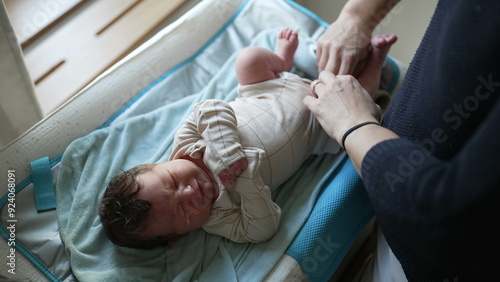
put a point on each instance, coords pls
(370, 12)
(360, 141)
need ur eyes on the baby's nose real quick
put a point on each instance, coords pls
(188, 192)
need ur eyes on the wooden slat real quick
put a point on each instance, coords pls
(91, 42)
(30, 19)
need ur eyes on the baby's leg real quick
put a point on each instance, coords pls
(370, 77)
(257, 64)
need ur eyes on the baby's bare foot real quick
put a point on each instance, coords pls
(288, 40)
(380, 47)
(370, 76)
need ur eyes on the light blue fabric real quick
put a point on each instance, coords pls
(90, 162)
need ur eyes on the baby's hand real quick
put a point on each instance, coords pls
(227, 176)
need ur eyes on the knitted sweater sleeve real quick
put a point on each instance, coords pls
(431, 206)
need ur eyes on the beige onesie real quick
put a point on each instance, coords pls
(269, 126)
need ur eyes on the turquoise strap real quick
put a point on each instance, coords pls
(42, 180)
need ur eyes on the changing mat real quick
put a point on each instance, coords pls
(143, 132)
(330, 189)
(90, 162)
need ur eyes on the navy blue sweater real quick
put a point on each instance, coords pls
(436, 190)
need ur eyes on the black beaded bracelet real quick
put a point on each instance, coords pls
(354, 128)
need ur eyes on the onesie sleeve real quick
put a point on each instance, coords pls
(247, 214)
(210, 131)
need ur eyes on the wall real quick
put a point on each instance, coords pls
(408, 20)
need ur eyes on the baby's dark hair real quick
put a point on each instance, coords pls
(123, 215)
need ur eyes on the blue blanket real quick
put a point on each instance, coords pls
(90, 162)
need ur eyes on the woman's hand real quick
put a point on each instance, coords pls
(343, 48)
(341, 103)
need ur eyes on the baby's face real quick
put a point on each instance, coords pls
(181, 196)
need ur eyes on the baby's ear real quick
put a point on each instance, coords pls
(174, 240)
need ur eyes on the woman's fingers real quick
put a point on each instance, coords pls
(343, 45)
(349, 62)
(325, 80)
(332, 61)
(327, 77)
(339, 103)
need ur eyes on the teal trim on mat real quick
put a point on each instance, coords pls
(315, 265)
(395, 77)
(20, 247)
(42, 185)
(328, 273)
(27, 181)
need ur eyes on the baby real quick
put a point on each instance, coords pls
(227, 158)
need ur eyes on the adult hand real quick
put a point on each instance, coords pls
(341, 103)
(227, 176)
(343, 47)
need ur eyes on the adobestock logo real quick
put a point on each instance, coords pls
(383, 18)
(46, 12)
(458, 112)
(454, 116)
(226, 8)
(325, 249)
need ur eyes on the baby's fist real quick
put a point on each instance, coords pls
(227, 176)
